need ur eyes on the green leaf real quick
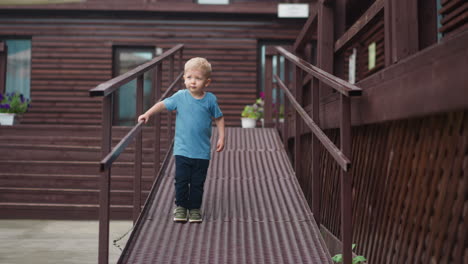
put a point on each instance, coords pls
(338, 258)
(359, 259)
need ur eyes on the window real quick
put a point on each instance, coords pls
(439, 20)
(278, 66)
(125, 59)
(18, 66)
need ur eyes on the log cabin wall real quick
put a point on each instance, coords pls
(72, 52)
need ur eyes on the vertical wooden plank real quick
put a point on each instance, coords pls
(157, 85)
(104, 185)
(267, 116)
(424, 166)
(340, 29)
(325, 44)
(169, 113)
(138, 152)
(388, 32)
(346, 180)
(404, 21)
(427, 21)
(287, 70)
(315, 145)
(298, 123)
(181, 65)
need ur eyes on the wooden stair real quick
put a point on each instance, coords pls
(51, 172)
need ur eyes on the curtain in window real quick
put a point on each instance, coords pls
(18, 77)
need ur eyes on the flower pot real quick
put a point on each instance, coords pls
(248, 122)
(7, 119)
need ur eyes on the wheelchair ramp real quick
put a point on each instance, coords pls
(254, 211)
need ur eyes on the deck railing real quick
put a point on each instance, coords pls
(107, 90)
(303, 73)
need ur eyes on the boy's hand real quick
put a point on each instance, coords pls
(143, 118)
(220, 145)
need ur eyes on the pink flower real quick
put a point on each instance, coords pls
(262, 95)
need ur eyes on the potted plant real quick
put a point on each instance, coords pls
(252, 113)
(12, 105)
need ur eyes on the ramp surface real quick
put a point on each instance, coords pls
(254, 211)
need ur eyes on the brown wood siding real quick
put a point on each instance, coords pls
(409, 189)
(71, 55)
(455, 17)
(374, 32)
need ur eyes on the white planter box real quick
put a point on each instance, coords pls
(248, 122)
(7, 119)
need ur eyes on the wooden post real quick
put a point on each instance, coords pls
(181, 65)
(316, 182)
(267, 115)
(346, 181)
(287, 70)
(340, 29)
(157, 84)
(325, 43)
(388, 32)
(169, 113)
(297, 135)
(403, 20)
(277, 92)
(138, 152)
(104, 185)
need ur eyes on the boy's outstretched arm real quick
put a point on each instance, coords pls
(220, 124)
(158, 107)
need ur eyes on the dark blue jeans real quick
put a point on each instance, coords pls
(190, 178)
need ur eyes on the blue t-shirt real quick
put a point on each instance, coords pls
(193, 123)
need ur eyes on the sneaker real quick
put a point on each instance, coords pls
(195, 216)
(180, 214)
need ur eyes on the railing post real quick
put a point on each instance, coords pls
(181, 65)
(104, 185)
(286, 105)
(157, 85)
(277, 92)
(138, 154)
(267, 114)
(346, 181)
(169, 113)
(315, 144)
(297, 135)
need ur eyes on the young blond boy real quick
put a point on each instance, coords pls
(195, 109)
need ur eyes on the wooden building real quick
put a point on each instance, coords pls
(409, 126)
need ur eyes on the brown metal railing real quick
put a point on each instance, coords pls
(341, 155)
(106, 90)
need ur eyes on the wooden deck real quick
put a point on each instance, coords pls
(254, 211)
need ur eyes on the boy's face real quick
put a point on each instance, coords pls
(195, 81)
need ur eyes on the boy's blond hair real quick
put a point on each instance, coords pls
(199, 64)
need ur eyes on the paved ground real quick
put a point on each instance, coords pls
(64, 242)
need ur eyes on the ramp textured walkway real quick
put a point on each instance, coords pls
(254, 211)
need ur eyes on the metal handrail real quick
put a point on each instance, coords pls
(106, 88)
(106, 163)
(342, 156)
(342, 160)
(338, 84)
